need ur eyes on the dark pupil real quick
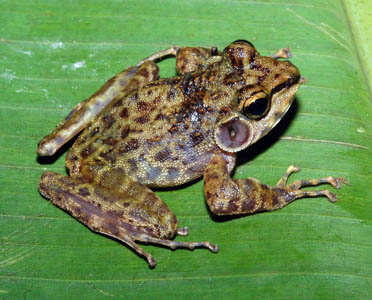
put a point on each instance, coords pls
(258, 107)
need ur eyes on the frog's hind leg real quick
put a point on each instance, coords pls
(119, 207)
(83, 113)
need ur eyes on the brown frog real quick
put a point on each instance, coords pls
(141, 131)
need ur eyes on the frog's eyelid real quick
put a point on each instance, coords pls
(244, 42)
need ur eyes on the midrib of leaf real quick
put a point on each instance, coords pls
(358, 17)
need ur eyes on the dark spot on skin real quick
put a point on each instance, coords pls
(134, 97)
(109, 156)
(289, 82)
(109, 141)
(180, 146)
(143, 73)
(88, 150)
(195, 168)
(126, 204)
(193, 86)
(201, 110)
(254, 66)
(134, 83)
(225, 109)
(150, 200)
(80, 214)
(232, 205)
(132, 145)
(252, 55)
(124, 113)
(173, 129)
(213, 176)
(94, 131)
(173, 173)
(162, 155)
(208, 195)
(277, 75)
(275, 63)
(149, 92)
(248, 205)
(115, 214)
(266, 71)
(153, 141)
(155, 73)
(108, 120)
(260, 79)
(196, 138)
(111, 228)
(142, 120)
(118, 103)
(82, 140)
(142, 106)
(159, 116)
(73, 158)
(236, 56)
(171, 93)
(84, 192)
(153, 173)
(125, 132)
(137, 216)
(156, 100)
(133, 164)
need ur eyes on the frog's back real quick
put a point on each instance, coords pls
(157, 135)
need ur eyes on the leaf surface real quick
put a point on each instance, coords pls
(56, 53)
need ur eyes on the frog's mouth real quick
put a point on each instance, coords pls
(233, 133)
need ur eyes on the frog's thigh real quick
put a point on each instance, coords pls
(130, 213)
(84, 112)
(226, 196)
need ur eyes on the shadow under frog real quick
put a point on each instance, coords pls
(139, 131)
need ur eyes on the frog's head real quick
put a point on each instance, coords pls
(261, 103)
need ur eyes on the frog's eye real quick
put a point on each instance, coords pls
(243, 42)
(253, 101)
(256, 106)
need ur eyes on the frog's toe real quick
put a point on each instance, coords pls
(183, 231)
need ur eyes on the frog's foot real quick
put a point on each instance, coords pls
(172, 51)
(183, 231)
(282, 53)
(294, 189)
(167, 243)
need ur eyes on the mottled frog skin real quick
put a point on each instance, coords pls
(141, 131)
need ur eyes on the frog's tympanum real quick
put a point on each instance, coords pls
(139, 131)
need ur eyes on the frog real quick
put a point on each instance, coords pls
(139, 131)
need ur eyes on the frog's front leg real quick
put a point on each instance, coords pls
(227, 196)
(118, 207)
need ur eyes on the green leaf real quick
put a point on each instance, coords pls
(56, 53)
